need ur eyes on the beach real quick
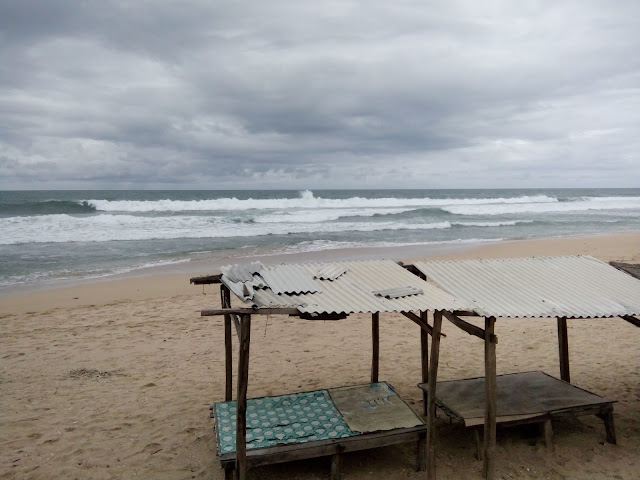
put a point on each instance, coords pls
(113, 379)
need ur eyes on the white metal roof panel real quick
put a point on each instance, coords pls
(572, 286)
(353, 291)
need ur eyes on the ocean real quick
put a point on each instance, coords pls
(53, 236)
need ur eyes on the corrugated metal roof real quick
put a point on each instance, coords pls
(242, 272)
(351, 292)
(572, 287)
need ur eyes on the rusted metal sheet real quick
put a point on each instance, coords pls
(351, 292)
(571, 286)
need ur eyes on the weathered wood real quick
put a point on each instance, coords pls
(422, 324)
(375, 350)
(336, 464)
(225, 301)
(632, 269)
(465, 313)
(321, 448)
(206, 280)
(424, 350)
(479, 454)
(421, 454)
(547, 429)
(609, 425)
(563, 349)
(431, 400)
(322, 316)
(210, 312)
(488, 466)
(413, 269)
(468, 327)
(241, 408)
(632, 320)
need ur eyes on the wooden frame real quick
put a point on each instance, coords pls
(240, 461)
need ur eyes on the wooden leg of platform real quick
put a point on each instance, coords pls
(479, 452)
(241, 413)
(421, 454)
(488, 467)
(547, 429)
(563, 349)
(375, 340)
(424, 349)
(228, 353)
(228, 472)
(609, 425)
(431, 400)
(336, 464)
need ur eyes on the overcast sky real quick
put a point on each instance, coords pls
(329, 94)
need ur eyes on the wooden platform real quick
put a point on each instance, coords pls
(319, 423)
(527, 397)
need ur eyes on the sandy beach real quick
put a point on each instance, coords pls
(113, 379)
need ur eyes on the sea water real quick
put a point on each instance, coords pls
(46, 236)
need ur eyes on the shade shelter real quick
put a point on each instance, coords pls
(572, 287)
(329, 291)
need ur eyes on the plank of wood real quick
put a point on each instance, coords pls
(424, 351)
(375, 350)
(488, 466)
(206, 280)
(225, 295)
(431, 400)
(416, 319)
(468, 327)
(241, 408)
(632, 320)
(321, 448)
(563, 350)
(251, 311)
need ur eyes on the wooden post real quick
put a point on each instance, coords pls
(424, 350)
(431, 400)
(488, 466)
(241, 413)
(336, 463)
(563, 349)
(375, 340)
(225, 299)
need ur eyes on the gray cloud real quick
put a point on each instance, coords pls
(197, 94)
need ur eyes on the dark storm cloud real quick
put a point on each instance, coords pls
(334, 94)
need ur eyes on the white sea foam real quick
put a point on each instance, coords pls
(306, 201)
(106, 227)
(578, 205)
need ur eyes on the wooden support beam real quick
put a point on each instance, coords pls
(431, 400)
(424, 350)
(563, 349)
(488, 466)
(241, 412)
(465, 313)
(206, 280)
(632, 320)
(468, 327)
(413, 269)
(250, 311)
(322, 316)
(225, 300)
(375, 351)
(336, 463)
(423, 325)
